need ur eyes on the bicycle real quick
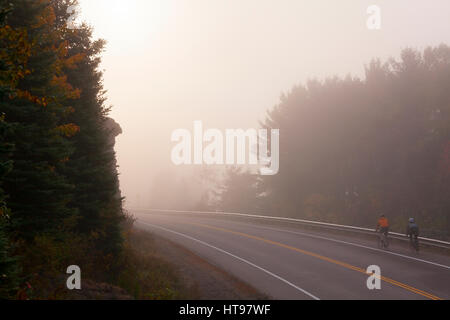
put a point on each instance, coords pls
(414, 243)
(383, 241)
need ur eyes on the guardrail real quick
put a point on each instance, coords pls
(332, 226)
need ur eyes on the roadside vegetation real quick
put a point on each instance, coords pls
(353, 149)
(145, 274)
(60, 203)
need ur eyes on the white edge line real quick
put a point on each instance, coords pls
(344, 242)
(236, 257)
(356, 245)
(402, 237)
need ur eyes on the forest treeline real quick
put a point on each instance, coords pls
(352, 149)
(60, 199)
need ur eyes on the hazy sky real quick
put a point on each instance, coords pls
(170, 62)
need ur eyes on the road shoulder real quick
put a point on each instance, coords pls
(204, 280)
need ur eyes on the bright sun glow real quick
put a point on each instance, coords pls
(125, 20)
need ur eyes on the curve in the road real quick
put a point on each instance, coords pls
(236, 257)
(312, 254)
(278, 252)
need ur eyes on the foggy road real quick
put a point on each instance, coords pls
(284, 262)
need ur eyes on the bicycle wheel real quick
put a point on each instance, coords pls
(412, 245)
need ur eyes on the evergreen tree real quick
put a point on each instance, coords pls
(239, 191)
(38, 192)
(92, 167)
(354, 148)
(9, 270)
(62, 192)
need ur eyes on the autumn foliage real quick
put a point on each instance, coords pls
(55, 152)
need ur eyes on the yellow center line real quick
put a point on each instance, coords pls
(315, 255)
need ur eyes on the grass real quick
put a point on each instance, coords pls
(145, 275)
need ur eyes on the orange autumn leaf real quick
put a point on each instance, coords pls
(69, 91)
(68, 130)
(70, 63)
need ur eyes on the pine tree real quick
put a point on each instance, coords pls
(62, 192)
(38, 192)
(9, 270)
(92, 167)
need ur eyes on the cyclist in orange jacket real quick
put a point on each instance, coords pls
(383, 225)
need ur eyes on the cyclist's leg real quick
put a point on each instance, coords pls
(380, 239)
(386, 240)
(412, 244)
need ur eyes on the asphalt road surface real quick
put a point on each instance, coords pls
(288, 263)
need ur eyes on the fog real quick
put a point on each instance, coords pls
(169, 63)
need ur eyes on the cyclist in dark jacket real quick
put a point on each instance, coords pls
(412, 230)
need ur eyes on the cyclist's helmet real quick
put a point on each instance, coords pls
(411, 220)
(382, 216)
